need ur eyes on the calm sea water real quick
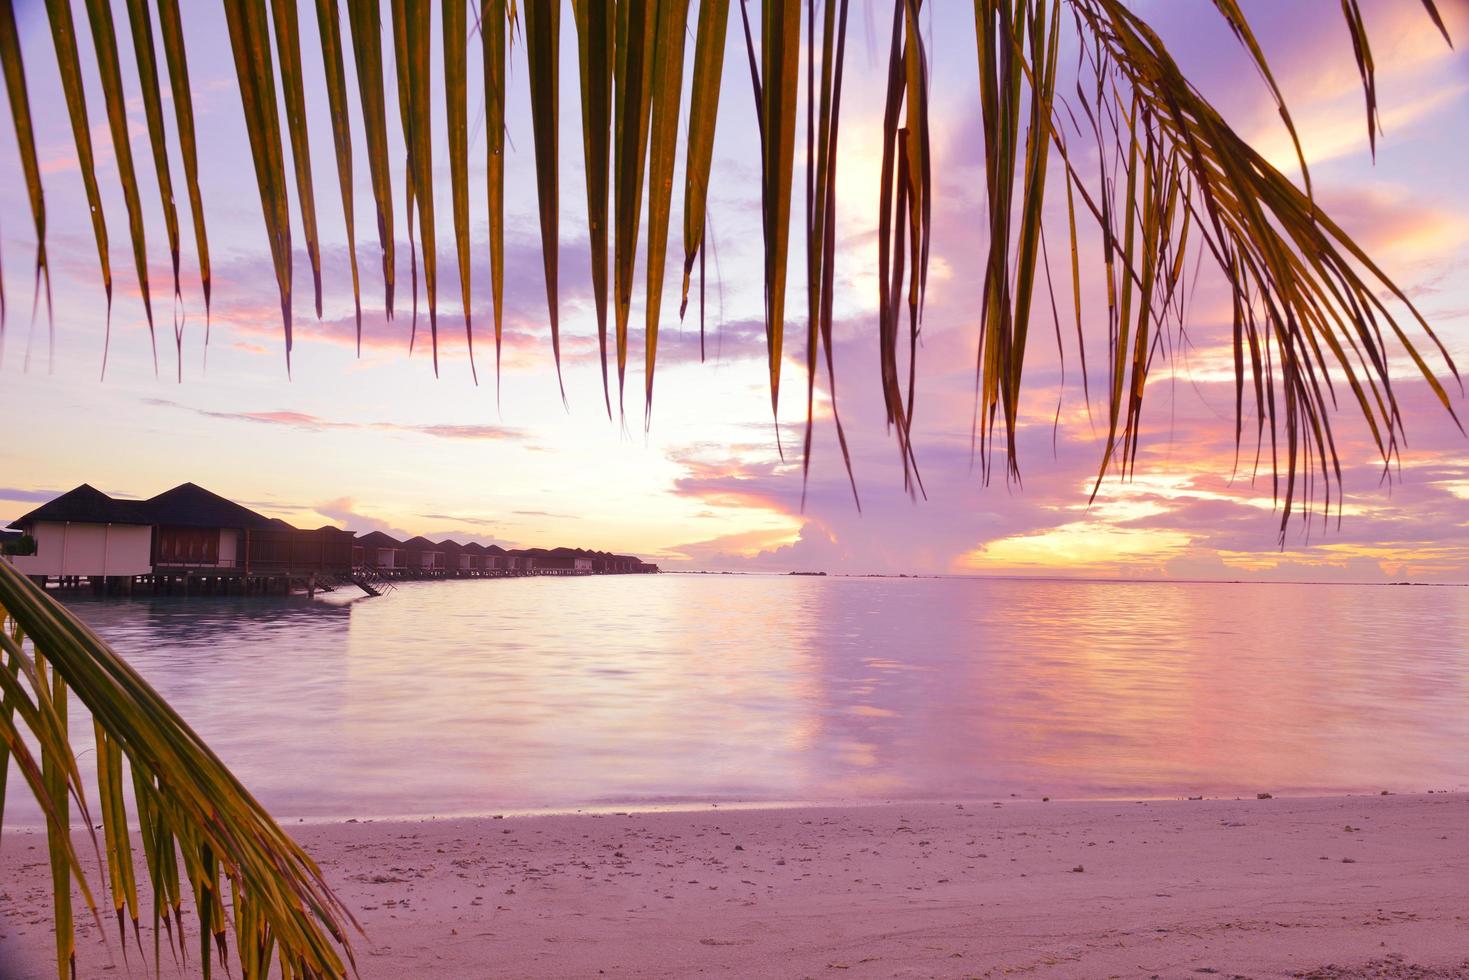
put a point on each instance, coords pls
(486, 696)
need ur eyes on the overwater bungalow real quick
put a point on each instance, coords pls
(562, 561)
(379, 551)
(424, 556)
(472, 559)
(288, 548)
(191, 538)
(85, 533)
(456, 562)
(497, 560)
(186, 536)
(195, 529)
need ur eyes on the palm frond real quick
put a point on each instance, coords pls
(69, 68)
(188, 806)
(821, 171)
(20, 114)
(780, 87)
(141, 25)
(329, 26)
(104, 43)
(171, 26)
(666, 93)
(699, 157)
(595, 33)
(1137, 147)
(250, 42)
(288, 50)
(364, 17)
(456, 98)
(493, 26)
(632, 82)
(543, 60)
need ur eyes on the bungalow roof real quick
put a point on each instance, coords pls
(86, 505)
(190, 505)
(377, 539)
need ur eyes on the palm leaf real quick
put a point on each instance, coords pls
(363, 17)
(419, 136)
(667, 86)
(412, 41)
(178, 76)
(288, 48)
(63, 37)
(542, 55)
(703, 111)
(250, 42)
(186, 795)
(492, 36)
(780, 49)
(20, 114)
(104, 42)
(632, 77)
(821, 170)
(329, 26)
(595, 32)
(902, 228)
(456, 96)
(1170, 179)
(142, 31)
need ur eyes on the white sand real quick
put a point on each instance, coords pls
(1255, 888)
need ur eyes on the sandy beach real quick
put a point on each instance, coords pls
(1323, 888)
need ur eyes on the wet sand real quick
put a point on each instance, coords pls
(1320, 888)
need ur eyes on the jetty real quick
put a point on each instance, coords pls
(189, 540)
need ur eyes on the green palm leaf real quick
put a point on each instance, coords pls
(188, 802)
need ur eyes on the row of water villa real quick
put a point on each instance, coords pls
(191, 540)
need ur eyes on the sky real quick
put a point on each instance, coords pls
(376, 441)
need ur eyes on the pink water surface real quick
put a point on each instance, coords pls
(487, 695)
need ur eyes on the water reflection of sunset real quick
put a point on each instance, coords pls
(533, 693)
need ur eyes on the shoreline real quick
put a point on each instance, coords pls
(1322, 887)
(707, 806)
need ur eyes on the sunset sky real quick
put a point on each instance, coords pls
(379, 442)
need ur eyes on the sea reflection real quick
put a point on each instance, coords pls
(474, 696)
